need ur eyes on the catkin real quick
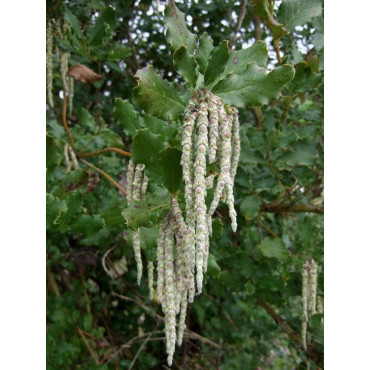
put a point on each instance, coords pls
(210, 135)
(49, 63)
(137, 184)
(150, 279)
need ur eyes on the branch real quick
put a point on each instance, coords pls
(239, 24)
(311, 352)
(64, 120)
(280, 208)
(115, 183)
(93, 354)
(140, 349)
(105, 150)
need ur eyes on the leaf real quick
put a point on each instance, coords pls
(145, 149)
(303, 153)
(75, 203)
(54, 151)
(103, 27)
(216, 63)
(127, 117)
(112, 53)
(171, 169)
(145, 213)
(110, 138)
(55, 208)
(83, 74)
(294, 13)
(177, 31)
(157, 96)
(148, 242)
(250, 207)
(238, 60)
(164, 128)
(87, 224)
(213, 269)
(86, 120)
(185, 65)
(262, 10)
(113, 217)
(253, 87)
(273, 248)
(73, 21)
(205, 47)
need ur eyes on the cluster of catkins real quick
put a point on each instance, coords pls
(210, 135)
(309, 289)
(62, 57)
(137, 184)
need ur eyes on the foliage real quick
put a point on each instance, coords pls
(95, 321)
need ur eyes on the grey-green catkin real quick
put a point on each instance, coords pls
(49, 63)
(150, 279)
(305, 292)
(70, 81)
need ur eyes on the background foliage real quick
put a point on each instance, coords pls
(249, 315)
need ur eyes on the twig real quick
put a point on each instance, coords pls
(240, 21)
(64, 120)
(311, 352)
(266, 228)
(192, 335)
(52, 282)
(280, 208)
(138, 352)
(93, 354)
(105, 150)
(115, 183)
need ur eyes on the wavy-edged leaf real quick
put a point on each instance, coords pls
(146, 213)
(249, 207)
(205, 47)
(273, 248)
(294, 13)
(185, 65)
(103, 27)
(253, 87)
(217, 60)
(87, 224)
(145, 149)
(262, 10)
(55, 209)
(177, 31)
(72, 20)
(127, 117)
(171, 169)
(156, 96)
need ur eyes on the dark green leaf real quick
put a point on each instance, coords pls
(74, 202)
(157, 96)
(148, 242)
(185, 65)
(55, 208)
(273, 248)
(177, 32)
(54, 153)
(171, 169)
(145, 149)
(72, 20)
(253, 87)
(213, 269)
(103, 27)
(127, 117)
(145, 213)
(87, 224)
(262, 10)
(113, 217)
(86, 120)
(216, 63)
(205, 47)
(250, 207)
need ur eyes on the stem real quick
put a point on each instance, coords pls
(64, 120)
(115, 183)
(280, 208)
(311, 352)
(105, 150)
(239, 24)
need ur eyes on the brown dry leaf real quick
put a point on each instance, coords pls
(83, 74)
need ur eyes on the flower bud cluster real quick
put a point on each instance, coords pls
(309, 291)
(137, 184)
